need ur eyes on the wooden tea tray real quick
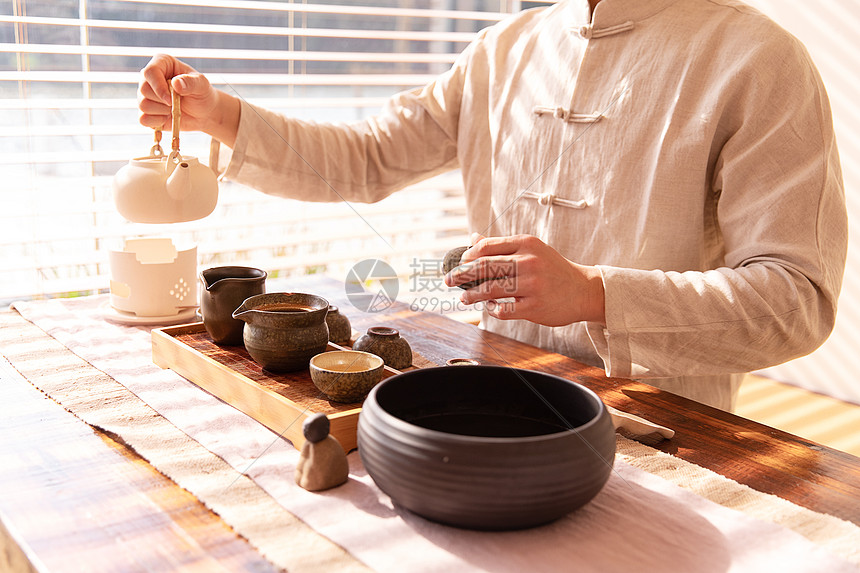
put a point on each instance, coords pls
(281, 402)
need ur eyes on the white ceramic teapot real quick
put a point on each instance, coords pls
(165, 188)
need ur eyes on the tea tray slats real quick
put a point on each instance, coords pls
(281, 402)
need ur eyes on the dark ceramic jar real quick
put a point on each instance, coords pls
(284, 330)
(386, 343)
(486, 447)
(339, 327)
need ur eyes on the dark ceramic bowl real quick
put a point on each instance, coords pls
(486, 447)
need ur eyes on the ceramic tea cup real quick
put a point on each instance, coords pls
(339, 327)
(346, 375)
(462, 362)
(284, 330)
(452, 261)
(386, 343)
(223, 289)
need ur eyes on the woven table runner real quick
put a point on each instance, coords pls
(103, 403)
(656, 513)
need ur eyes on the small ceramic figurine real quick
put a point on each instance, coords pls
(322, 462)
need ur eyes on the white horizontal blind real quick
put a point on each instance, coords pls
(68, 121)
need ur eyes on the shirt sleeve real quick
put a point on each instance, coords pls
(414, 137)
(783, 224)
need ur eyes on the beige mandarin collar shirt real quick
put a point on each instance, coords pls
(683, 146)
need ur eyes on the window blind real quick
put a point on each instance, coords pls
(68, 77)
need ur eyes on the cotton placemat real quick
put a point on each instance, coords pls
(639, 520)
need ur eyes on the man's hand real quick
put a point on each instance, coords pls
(537, 283)
(203, 108)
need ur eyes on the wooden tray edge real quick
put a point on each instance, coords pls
(267, 407)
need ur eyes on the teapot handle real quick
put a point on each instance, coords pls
(174, 144)
(156, 150)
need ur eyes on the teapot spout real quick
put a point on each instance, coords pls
(179, 181)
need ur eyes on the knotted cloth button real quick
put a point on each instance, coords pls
(545, 198)
(585, 31)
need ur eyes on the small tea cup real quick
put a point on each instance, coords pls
(462, 362)
(386, 343)
(339, 327)
(346, 375)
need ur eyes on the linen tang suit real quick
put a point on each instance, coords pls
(683, 146)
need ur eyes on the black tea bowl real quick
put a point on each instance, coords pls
(486, 447)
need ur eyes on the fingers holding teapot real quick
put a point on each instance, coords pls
(204, 108)
(164, 74)
(156, 75)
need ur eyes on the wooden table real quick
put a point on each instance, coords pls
(66, 474)
(764, 458)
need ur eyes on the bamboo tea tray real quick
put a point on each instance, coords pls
(281, 402)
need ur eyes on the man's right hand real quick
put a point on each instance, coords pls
(202, 107)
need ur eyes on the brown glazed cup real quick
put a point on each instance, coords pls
(223, 289)
(386, 343)
(486, 447)
(462, 362)
(339, 327)
(346, 375)
(452, 260)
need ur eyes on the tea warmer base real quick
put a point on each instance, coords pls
(111, 314)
